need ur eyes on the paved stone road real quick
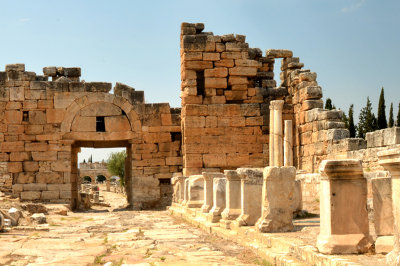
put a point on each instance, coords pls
(119, 236)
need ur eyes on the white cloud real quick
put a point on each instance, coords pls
(24, 20)
(353, 7)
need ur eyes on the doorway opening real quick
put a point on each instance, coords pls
(103, 174)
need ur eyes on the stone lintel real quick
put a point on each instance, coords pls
(390, 160)
(341, 169)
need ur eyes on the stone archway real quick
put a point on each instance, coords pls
(121, 126)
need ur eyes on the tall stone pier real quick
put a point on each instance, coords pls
(277, 200)
(233, 200)
(343, 199)
(390, 160)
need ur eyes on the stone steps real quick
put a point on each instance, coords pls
(276, 250)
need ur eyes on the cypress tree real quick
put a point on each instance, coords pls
(328, 104)
(391, 120)
(398, 117)
(367, 120)
(382, 122)
(351, 127)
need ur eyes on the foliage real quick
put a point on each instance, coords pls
(328, 104)
(398, 117)
(351, 126)
(90, 160)
(391, 120)
(345, 120)
(382, 122)
(116, 165)
(367, 120)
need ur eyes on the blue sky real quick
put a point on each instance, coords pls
(353, 45)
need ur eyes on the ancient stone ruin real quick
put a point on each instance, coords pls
(243, 151)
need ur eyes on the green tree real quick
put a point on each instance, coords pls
(382, 122)
(116, 165)
(90, 160)
(345, 120)
(398, 117)
(328, 104)
(351, 127)
(367, 120)
(391, 120)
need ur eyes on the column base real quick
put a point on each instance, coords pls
(205, 208)
(384, 244)
(344, 244)
(266, 225)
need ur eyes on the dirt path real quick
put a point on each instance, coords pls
(118, 236)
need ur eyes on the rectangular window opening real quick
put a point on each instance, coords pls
(100, 125)
(200, 83)
(25, 116)
(165, 181)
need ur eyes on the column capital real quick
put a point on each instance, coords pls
(231, 175)
(341, 169)
(390, 160)
(212, 175)
(276, 104)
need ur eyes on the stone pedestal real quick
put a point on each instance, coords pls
(278, 136)
(178, 183)
(185, 192)
(233, 201)
(196, 191)
(208, 190)
(251, 195)
(277, 200)
(288, 144)
(219, 199)
(343, 200)
(390, 160)
(382, 201)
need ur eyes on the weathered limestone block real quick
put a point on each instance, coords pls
(390, 160)
(208, 189)
(233, 200)
(343, 199)
(219, 199)
(277, 200)
(251, 195)
(278, 53)
(382, 201)
(196, 191)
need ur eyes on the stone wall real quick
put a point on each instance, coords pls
(44, 123)
(366, 150)
(226, 89)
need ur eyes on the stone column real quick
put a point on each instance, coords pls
(343, 199)
(208, 190)
(278, 136)
(271, 135)
(219, 198)
(390, 160)
(288, 144)
(251, 195)
(277, 200)
(233, 201)
(196, 191)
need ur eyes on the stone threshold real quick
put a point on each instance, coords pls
(276, 250)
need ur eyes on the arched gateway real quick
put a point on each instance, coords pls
(59, 117)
